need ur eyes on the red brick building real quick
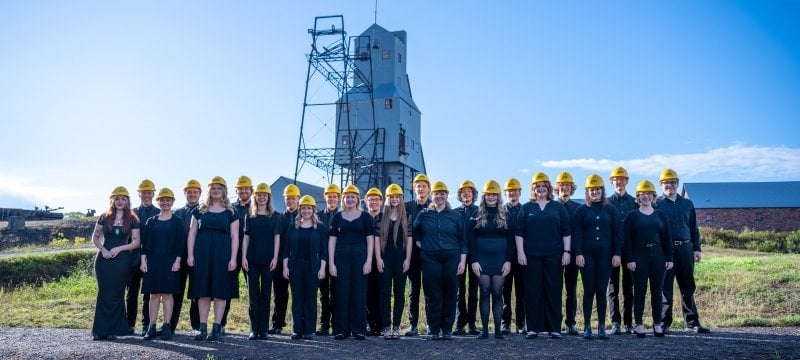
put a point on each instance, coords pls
(755, 205)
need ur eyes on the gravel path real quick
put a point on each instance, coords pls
(728, 343)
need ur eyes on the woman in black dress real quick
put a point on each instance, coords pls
(543, 248)
(212, 246)
(648, 246)
(490, 247)
(597, 243)
(393, 258)
(304, 266)
(119, 228)
(163, 243)
(350, 246)
(260, 251)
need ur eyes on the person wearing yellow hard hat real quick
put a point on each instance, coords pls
(304, 262)
(422, 188)
(512, 189)
(327, 286)
(260, 255)
(119, 229)
(597, 243)
(213, 244)
(543, 239)
(144, 211)
(280, 285)
(439, 232)
(565, 188)
(191, 192)
(350, 247)
(624, 203)
(466, 311)
(490, 241)
(163, 245)
(648, 250)
(687, 251)
(393, 259)
(373, 199)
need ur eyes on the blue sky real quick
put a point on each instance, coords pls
(95, 94)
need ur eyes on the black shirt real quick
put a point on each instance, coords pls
(440, 230)
(543, 230)
(352, 233)
(596, 228)
(261, 231)
(644, 232)
(682, 219)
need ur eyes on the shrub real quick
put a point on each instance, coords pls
(36, 269)
(764, 241)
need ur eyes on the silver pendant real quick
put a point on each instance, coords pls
(116, 231)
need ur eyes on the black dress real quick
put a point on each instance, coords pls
(212, 252)
(490, 246)
(163, 241)
(110, 318)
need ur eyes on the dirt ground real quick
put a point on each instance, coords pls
(728, 343)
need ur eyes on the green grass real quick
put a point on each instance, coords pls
(735, 288)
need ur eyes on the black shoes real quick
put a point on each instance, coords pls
(274, 331)
(555, 335)
(473, 331)
(216, 329)
(447, 336)
(629, 329)
(499, 335)
(202, 333)
(436, 337)
(150, 333)
(572, 330)
(339, 337)
(699, 329)
(296, 336)
(359, 336)
(252, 336)
(483, 335)
(323, 332)
(460, 331)
(412, 331)
(166, 332)
(531, 335)
(615, 330)
(587, 332)
(639, 331)
(601, 332)
(505, 330)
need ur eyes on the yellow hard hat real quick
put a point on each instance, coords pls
(219, 181)
(308, 200)
(146, 185)
(645, 186)
(439, 186)
(244, 181)
(421, 177)
(668, 174)
(593, 181)
(394, 189)
(351, 189)
(192, 184)
(539, 177)
(263, 188)
(466, 184)
(618, 171)
(491, 187)
(564, 177)
(512, 184)
(291, 190)
(165, 193)
(119, 191)
(373, 191)
(332, 189)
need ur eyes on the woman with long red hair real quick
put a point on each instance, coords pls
(119, 228)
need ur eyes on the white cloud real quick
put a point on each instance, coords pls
(733, 163)
(30, 189)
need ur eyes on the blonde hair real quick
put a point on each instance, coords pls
(603, 199)
(226, 203)
(254, 207)
(358, 201)
(483, 214)
(299, 218)
(402, 221)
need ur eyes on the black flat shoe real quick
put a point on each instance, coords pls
(252, 336)
(499, 335)
(659, 334)
(308, 336)
(601, 333)
(482, 336)
(555, 335)
(339, 337)
(296, 337)
(531, 335)
(263, 335)
(359, 336)
(447, 336)
(700, 329)
(474, 331)
(323, 332)
(436, 337)
(572, 330)
(274, 331)
(459, 332)
(587, 333)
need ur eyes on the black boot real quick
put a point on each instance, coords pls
(601, 332)
(166, 331)
(483, 334)
(215, 332)
(203, 332)
(150, 333)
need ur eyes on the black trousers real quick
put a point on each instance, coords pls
(194, 317)
(280, 287)
(351, 290)
(514, 279)
(441, 287)
(327, 299)
(392, 277)
(649, 266)
(627, 293)
(543, 279)
(259, 290)
(132, 300)
(374, 298)
(304, 297)
(415, 282)
(571, 288)
(683, 272)
(467, 298)
(235, 283)
(594, 276)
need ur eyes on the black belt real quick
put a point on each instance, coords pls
(678, 243)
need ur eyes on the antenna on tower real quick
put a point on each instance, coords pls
(376, 12)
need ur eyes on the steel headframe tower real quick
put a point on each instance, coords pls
(331, 74)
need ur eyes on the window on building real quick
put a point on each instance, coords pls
(709, 218)
(399, 57)
(759, 217)
(387, 103)
(386, 54)
(345, 139)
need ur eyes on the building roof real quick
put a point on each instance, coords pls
(305, 189)
(779, 194)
